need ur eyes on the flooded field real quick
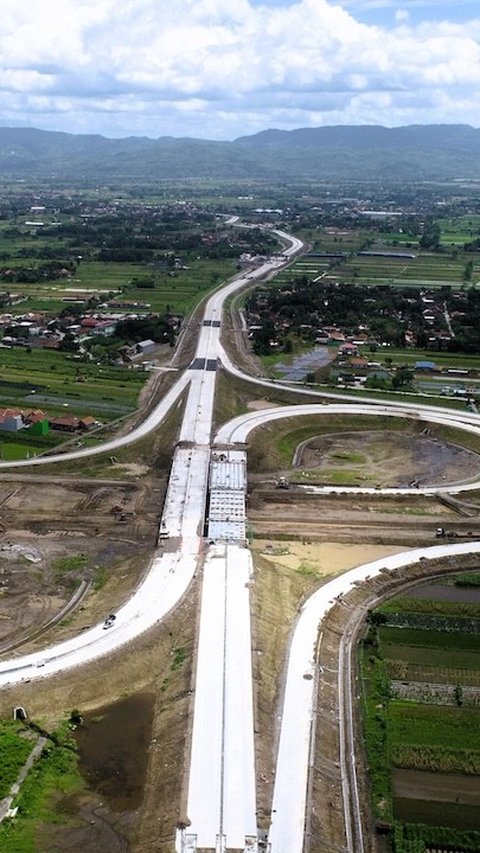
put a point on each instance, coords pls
(303, 364)
(446, 592)
(113, 747)
(454, 815)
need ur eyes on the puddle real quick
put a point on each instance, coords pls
(442, 592)
(306, 363)
(113, 750)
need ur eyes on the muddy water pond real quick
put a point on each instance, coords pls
(113, 744)
(447, 592)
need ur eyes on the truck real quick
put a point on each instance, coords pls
(441, 533)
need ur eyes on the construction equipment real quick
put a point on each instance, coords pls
(441, 533)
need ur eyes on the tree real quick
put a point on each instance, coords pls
(68, 343)
(402, 378)
(468, 271)
(430, 238)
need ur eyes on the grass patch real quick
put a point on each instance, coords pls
(180, 655)
(431, 725)
(100, 578)
(307, 571)
(467, 579)
(342, 477)
(14, 751)
(375, 699)
(53, 774)
(348, 456)
(64, 565)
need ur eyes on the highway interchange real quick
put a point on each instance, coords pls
(221, 790)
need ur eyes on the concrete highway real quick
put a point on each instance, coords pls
(289, 813)
(221, 789)
(221, 792)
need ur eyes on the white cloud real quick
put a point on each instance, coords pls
(221, 68)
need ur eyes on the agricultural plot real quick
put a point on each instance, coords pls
(177, 292)
(336, 240)
(427, 782)
(57, 384)
(426, 269)
(456, 232)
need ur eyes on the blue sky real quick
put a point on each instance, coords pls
(219, 69)
(382, 12)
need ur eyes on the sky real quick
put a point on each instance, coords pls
(220, 69)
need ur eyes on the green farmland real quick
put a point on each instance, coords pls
(440, 267)
(422, 722)
(179, 292)
(56, 382)
(426, 269)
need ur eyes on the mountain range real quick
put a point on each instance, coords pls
(363, 152)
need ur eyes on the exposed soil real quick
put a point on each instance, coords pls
(295, 514)
(390, 458)
(259, 405)
(57, 533)
(146, 668)
(442, 787)
(46, 518)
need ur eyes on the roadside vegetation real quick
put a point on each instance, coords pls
(54, 775)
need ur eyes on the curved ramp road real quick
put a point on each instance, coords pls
(166, 582)
(464, 417)
(153, 420)
(289, 812)
(239, 429)
(221, 792)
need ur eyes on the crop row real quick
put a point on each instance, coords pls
(403, 670)
(418, 837)
(431, 607)
(436, 759)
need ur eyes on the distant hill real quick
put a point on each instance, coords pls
(417, 152)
